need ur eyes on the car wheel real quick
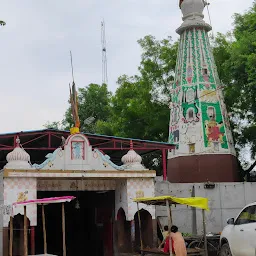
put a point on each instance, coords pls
(225, 250)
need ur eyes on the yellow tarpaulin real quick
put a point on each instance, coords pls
(198, 202)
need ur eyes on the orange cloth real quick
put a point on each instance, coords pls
(179, 244)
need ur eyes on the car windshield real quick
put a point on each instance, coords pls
(248, 215)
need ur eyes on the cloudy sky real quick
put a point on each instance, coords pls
(35, 44)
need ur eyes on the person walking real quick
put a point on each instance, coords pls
(178, 243)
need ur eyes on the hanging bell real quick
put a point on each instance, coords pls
(77, 205)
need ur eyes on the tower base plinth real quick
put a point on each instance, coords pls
(203, 168)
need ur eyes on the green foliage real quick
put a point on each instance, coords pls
(140, 104)
(133, 113)
(235, 55)
(158, 65)
(187, 234)
(221, 52)
(94, 101)
(53, 125)
(236, 62)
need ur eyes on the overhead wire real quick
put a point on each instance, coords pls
(209, 15)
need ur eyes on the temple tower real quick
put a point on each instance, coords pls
(199, 123)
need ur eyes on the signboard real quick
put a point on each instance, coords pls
(75, 185)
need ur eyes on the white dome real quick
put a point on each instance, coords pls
(192, 11)
(131, 157)
(18, 154)
(132, 160)
(18, 158)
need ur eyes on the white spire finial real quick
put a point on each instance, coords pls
(18, 158)
(192, 7)
(192, 11)
(131, 144)
(17, 142)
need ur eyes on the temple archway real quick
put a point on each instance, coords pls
(146, 229)
(123, 232)
(18, 235)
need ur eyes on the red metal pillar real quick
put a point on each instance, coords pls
(164, 164)
(32, 240)
(49, 140)
(14, 141)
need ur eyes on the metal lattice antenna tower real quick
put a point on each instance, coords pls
(104, 54)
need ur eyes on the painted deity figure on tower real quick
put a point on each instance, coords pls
(213, 129)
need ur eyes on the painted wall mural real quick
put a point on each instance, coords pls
(77, 150)
(175, 110)
(198, 115)
(190, 105)
(19, 190)
(214, 130)
(174, 128)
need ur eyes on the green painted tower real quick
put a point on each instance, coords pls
(199, 122)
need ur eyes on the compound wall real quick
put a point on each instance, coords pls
(225, 201)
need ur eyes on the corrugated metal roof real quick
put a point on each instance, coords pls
(89, 134)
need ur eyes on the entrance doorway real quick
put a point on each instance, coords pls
(18, 236)
(146, 229)
(89, 224)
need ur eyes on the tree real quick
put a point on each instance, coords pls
(53, 125)
(94, 101)
(140, 104)
(236, 62)
(221, 50)
(157, 65)
(134, 114)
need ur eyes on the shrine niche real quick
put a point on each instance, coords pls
(190, 105)
(175, 114)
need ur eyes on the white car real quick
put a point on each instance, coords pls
(239, 237)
